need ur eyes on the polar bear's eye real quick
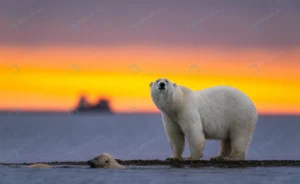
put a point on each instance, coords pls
(167, 81)
(157, 81)
(106, 161)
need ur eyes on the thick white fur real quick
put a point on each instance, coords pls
(221, 113)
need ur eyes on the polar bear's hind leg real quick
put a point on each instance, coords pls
(241, 138)
(239, 149)
(225, 150)
(239, 144)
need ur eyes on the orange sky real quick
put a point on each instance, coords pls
(47, 78)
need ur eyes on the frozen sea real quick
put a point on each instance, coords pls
(65, 137)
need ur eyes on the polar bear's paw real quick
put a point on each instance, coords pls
(229, 158)
(219, 158)
(192, 158)
(236, 158)
(173, 159)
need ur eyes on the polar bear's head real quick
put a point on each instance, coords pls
(162, 92)
(162, 86)
(104, 160)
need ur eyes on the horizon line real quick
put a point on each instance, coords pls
(2, 111)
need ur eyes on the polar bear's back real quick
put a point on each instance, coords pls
(224, 108)
(226, 95)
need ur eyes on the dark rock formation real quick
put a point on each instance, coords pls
(102, 106)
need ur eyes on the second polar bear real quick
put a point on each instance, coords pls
(39, 166)
(221, 113)
(105, 160)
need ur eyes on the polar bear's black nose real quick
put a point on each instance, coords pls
(162, 85)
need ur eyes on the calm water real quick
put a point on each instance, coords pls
(62, 137)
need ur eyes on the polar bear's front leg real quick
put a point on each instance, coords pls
(175, 137)
(196, 144)
(193, 130)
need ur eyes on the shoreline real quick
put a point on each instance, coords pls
(180, 164)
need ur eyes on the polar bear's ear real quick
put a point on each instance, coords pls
(151, 84)
(175, 85)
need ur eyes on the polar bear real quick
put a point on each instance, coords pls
(220, 113)
(39, 166)
(104, 160)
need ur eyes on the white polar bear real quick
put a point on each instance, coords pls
(221, 113)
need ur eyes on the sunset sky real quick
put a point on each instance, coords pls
(54, 51)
